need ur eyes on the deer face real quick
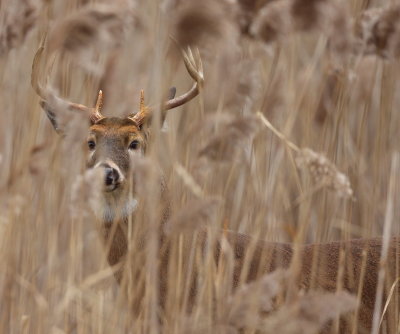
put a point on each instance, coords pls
(111, 143)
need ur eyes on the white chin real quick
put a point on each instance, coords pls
(111, 188)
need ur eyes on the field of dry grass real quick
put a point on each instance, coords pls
(294, 138)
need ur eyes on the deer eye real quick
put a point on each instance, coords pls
(91, 145)
(134, 145)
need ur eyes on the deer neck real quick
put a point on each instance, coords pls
(119, 210)
(115, 215)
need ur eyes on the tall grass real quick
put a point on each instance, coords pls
(325, 78)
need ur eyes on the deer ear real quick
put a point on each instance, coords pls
(51, 115)
(93, 114)
(171, 93)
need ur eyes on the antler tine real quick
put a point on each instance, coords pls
(196, 72)
(95, 113)
(48, 98)
(35, 74)
(144, 112)
(190, 62)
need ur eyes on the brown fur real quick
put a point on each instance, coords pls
(320, 265)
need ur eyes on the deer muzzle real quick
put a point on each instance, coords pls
(113, 176)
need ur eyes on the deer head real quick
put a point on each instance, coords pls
(112, 140)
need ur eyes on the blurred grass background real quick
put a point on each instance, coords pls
(324, 73)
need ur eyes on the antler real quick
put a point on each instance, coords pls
(49, 100)
(195, 70)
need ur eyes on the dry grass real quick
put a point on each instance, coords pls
(329, 84)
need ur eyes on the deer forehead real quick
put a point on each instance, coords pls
(116, 128)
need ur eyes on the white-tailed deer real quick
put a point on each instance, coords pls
(110, 141)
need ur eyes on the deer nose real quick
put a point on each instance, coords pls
(111, 176)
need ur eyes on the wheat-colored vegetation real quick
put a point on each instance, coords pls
(293, 138)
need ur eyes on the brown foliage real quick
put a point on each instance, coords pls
(17, 18)
(378, 31)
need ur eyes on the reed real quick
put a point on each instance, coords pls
(324, 77)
